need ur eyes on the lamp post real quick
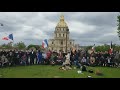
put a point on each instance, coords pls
(66, 38)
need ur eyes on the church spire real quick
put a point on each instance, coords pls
(62, 17)
(62, 22)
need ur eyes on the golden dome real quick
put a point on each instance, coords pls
(62, 22)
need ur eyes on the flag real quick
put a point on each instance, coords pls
(93, 47)
(111, 49)
(44, 43)
(5, 38)
(10, 36)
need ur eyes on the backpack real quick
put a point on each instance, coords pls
(90, 71)
(84, 68)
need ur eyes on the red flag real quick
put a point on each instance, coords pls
(5, 38)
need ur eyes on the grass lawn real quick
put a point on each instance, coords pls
(47, 71)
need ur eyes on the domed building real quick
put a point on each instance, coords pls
(61, 41)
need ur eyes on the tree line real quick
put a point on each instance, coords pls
(104, 47)
(20, 45)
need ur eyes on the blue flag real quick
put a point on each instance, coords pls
(45, 43)
(10, 36)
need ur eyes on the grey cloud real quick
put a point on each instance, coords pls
(95, 18)
(104, 22)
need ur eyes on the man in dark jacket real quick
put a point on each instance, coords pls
(32, 57)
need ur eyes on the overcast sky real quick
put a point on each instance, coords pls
(87, 28)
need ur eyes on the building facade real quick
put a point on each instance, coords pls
(61, 37)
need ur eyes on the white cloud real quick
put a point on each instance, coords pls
(79, 27)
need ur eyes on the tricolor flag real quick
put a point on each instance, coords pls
(9, 37)
(111, 49)
(44, 43)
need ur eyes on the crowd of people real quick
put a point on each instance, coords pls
(77, 58)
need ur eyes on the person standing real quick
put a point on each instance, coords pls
(39, 57)
(32, 57)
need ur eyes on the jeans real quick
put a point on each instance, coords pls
(23, 62)
(77, 63)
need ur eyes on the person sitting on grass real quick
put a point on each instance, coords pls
(66, 64)
(76, 60)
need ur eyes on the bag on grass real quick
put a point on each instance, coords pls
(84, 68)
(90, 71)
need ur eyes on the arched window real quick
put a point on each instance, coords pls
(52, 42)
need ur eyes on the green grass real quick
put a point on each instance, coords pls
(47, 71)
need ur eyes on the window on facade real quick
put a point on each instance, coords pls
(61, 42)
(63, 35)
(59, 35)
(70, 43)
(52, 42)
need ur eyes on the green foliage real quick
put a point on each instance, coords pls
(33, 46)
(102, 48)
(20, 45)
(118, 29)
(88, 47)
(105, 47)
(6, 46)
(48, 71)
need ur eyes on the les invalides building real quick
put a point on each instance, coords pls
(59, 42)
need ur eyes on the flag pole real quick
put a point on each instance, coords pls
(12, 40)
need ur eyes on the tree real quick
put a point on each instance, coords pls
(33, 46)
(20, 45)
(88, 47)
(118, 29)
